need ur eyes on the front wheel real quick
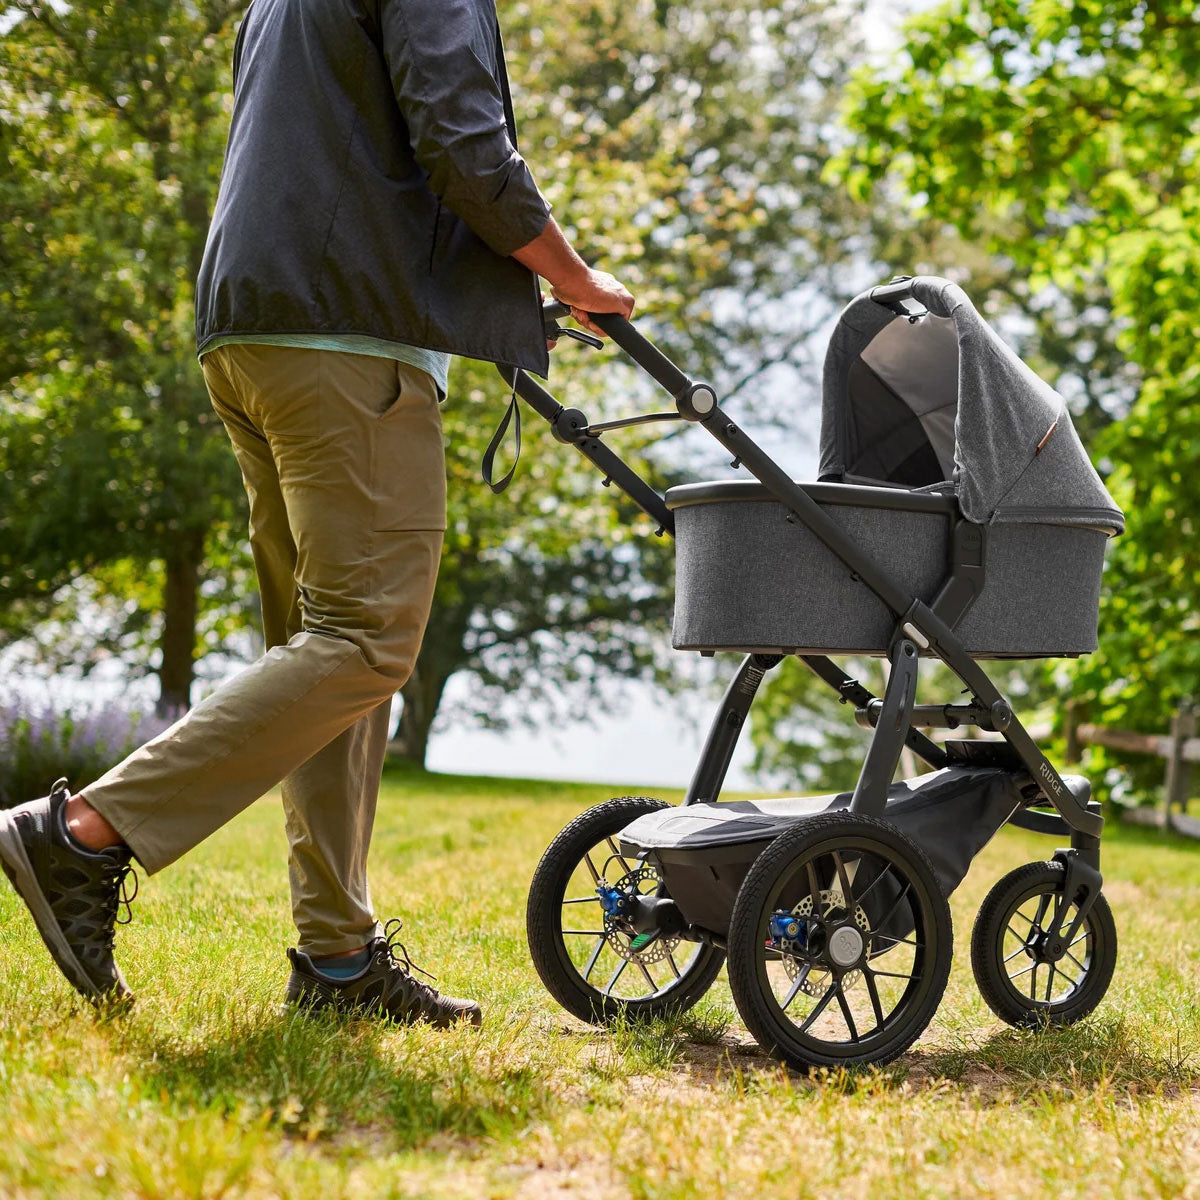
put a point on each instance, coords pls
(588, 960)
(839, 943)
(1021, 982)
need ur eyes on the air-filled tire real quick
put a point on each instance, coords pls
(686, 969)
(1007, 962)
(894, 902)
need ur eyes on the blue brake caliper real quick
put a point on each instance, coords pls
(618, 906)
(614, 901)
(787, 927)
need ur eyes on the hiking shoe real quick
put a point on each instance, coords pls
(385, 987)
(72, 893)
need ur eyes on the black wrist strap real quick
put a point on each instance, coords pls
(489, 455)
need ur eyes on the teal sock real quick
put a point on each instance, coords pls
(345, 966)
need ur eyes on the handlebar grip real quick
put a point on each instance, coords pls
(647, 356)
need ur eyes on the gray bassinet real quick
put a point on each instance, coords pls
(928, 419)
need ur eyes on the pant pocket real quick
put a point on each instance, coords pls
(408, 477)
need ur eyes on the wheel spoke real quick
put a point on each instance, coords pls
(591, 866)
(1076, 961)
(1024, 971)
(1033, 982)
(873, 992)
(814, 890)
(608, 987)
(591, 962)
(1023, 940)
(1021, 949)
(891, 975)
(844, 880)
(1050, 982)
(847, 1015)
(646, 972)
(1043, 904)
(797, 984)
(898, 941)
(671, 963)
(820, 1007)
(887, 870)
(583, 900)
(891, 912)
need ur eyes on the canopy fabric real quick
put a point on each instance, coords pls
(939, 399)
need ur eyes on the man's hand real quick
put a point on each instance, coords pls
(571, 280)
(598, 292)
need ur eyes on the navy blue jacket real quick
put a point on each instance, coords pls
(372, 183)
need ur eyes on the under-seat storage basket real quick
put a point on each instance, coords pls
(705, 850)
(752, 577)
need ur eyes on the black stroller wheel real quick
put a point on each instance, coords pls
(840, 943)
(589, 964)
(1020, 982)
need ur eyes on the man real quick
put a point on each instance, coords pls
(373, 217)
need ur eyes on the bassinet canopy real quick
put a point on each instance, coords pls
(941, 399)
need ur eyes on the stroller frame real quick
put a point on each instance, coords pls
(694, 864)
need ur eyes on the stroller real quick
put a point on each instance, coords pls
(956, 516)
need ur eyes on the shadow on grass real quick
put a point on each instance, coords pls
(1103, 1051)
(1100, 1051)
(321, 1076)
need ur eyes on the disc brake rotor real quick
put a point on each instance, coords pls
(816, 982)
(620, 940)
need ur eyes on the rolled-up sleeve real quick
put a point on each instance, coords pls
(454, 109)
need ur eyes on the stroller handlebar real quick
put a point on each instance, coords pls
(643, 352)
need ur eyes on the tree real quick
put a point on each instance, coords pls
(112, 123)
(1062, 136)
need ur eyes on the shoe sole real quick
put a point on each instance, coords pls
(21, 875)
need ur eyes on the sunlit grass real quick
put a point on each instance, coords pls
(205, 1089)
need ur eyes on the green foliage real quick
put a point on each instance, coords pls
(802, 732)
(1063, 138)
(112, 123)
(806, 736)
(682, 145)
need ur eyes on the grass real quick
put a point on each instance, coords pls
(204, 1090)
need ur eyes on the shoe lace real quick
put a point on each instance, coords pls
(118, 905)
(399, 952)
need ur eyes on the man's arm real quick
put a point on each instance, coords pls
(571, 280)
(455, 116)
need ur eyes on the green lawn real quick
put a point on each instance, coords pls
(205, 1090)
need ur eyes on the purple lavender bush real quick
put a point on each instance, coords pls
(39, 744)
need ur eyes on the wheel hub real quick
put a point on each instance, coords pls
(621, 902)
(845, 946)
(809, 950)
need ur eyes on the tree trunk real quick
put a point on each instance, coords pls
(181, 602)
(421, 696)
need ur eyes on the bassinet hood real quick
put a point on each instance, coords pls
(914, 402)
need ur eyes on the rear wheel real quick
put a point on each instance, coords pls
(588, 958)
(839, 944)
(1021, 981)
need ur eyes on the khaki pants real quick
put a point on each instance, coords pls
(343, 464)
